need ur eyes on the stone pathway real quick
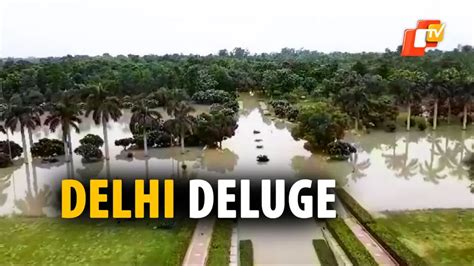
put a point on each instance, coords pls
(198, 248)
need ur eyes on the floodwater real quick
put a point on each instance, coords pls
(391, 171)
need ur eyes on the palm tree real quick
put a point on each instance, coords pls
(355, 100)
(407, 86)
(438, 91)
(464, 94)
(27, 117)
(103, 107)
(143, 119)
(65, 113)
(182, 122)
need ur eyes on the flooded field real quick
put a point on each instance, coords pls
(391, 171)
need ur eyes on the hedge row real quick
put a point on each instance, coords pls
(353, 248)
(325, 255)
(246, 253)
(386, 237)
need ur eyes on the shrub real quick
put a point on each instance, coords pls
(339, 150)
(212, 96)
(262, 158)
(16, 149)
(360, 213)
(125, 142)
(325, 255)
(390, 126)
(92, 139)
(47, 148)
(354, 249)
(246, 253)
(89, 152)
(421, 124)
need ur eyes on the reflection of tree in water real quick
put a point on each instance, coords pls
(460, 168)
(400, 163)
(470, 163)
(4, 184)
(427, 169)
(219, 161)
(316, 166)
(35, 199)
(91, 170)
(358, 168)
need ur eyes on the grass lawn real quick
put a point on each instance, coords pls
(439, 236)
(55, 241)
(219, 248)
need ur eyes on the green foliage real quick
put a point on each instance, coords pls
(421, 123)
(214, 127)
(93, 140)
(124, 142)
(339, 150)
(16, 149)
(220, 243)
(47, 148)
(325, 255)
(320, 123)
(212, 96)
(283, 109)
(246, 253)
(354, 207)
(354, 249)
(89, 152)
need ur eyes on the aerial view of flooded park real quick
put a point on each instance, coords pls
(398, 142)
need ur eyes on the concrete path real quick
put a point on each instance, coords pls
(282, 242)
(381, 256)
(198, 248)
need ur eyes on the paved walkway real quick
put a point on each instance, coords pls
(198, 248)
(381, 256)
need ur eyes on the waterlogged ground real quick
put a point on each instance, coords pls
(392, 171)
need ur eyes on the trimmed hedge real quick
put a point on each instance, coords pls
(386, 237)
(353, 248)
(246, 253)
(354, 207)
(325, 255)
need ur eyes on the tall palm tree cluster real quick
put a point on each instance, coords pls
(24, 113)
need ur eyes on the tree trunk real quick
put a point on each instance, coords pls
(106, 139)
(145, 143)
(464, 119)
(408, 116)
(449, 111)
(182, 142)
(9, 145)
(30, 137)
(435, 115)
(25, 150)
(66, 148)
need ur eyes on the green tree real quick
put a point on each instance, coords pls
(65, 113)
(407, 87)
(182, 122)
(142, 121)
(103, 108)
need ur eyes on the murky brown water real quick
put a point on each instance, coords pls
(388, 173)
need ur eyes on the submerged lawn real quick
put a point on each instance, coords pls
(54, 241)
(439, 236)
